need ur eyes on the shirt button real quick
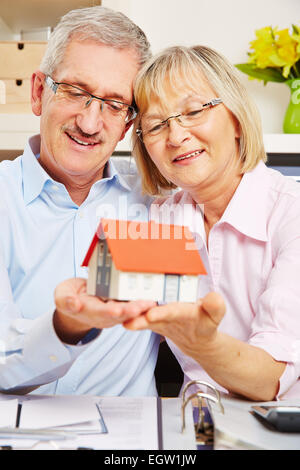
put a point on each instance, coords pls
(53, 358)
(81, 214)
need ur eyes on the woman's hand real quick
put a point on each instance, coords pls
(236, 365)
(189, 326)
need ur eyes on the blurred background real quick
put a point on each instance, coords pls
(226, 25)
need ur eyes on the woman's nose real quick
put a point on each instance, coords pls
(176, 133)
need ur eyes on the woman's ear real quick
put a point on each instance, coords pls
(37, 87)
(237, 129)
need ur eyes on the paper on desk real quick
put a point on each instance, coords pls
(76, 413)
(131, 423)
(8, 413)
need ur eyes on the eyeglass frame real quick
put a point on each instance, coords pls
(213, 102)
(53, 85)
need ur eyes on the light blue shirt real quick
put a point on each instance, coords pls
(43, 240)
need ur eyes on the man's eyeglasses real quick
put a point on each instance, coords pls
(192, 116)
(82, 99)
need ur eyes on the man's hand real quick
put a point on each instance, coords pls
(189, 326)
(77, 312)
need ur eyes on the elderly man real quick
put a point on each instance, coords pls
(52, 198)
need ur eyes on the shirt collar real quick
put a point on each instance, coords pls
(247, 210)
(35, 177)
(111, 172)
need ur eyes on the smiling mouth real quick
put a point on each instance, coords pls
(188, 155)
(81, 142)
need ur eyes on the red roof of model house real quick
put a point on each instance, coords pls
(149, 247)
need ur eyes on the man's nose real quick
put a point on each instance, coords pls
(91, 119)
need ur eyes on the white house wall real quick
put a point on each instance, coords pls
(135, 286)
(188, 288)
(114, 283)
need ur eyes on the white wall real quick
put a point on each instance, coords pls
(5, 33)
(226, 25)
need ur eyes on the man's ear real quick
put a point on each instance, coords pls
(37, 87)
(127, 127)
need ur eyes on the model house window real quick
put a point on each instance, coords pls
(148, 281)
(100, 253)
(132, 281)
(108, 259)
(171, 288)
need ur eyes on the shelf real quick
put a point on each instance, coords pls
(20, 15)
(282, 143)
(15, 130)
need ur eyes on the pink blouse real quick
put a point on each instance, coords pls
(253, 260)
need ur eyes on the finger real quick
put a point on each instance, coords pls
(138, 307)
(71, 287)
(214, 305)
(145, 304)
(95, 313)
(121, 310)
(67, 297)
(138, 323)
(170, 312)
(94, 305)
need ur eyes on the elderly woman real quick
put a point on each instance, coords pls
(199, 131)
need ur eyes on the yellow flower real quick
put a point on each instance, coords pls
(276, 49)
(263, 48)
(286, 51)
(274, 54)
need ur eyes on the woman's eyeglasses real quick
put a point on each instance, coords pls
(192, 116)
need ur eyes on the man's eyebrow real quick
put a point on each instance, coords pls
(86, 87)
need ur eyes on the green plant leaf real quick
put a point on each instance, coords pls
(267, 75)
(297, 66)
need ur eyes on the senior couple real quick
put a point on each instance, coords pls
(196, 129)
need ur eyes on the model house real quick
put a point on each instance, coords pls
(139, 260)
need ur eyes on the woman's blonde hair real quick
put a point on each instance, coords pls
(177, 64)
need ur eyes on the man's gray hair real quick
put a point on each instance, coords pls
(99, 24)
